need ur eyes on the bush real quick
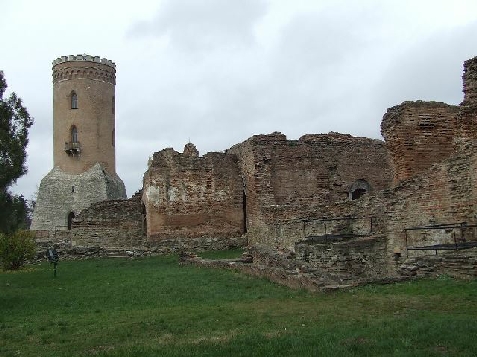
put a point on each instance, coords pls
(16, 248)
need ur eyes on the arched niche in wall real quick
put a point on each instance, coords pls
(358, 189)
(71, 216)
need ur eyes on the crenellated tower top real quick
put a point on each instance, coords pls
(84, 66)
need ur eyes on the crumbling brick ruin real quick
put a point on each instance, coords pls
(193, 199)
(324, 210)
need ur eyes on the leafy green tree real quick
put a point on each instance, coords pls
(14, 124)
(16, 248)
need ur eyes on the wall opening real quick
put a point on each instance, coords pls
(144, 220)
(357, 193)
(71, 216)
(358, 189)
(244, 209)
(74, 100)
(74, 134)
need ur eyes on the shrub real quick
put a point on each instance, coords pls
(16, 248)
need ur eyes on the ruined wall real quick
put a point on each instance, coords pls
(457, 264)
(351, 259)
(418, 134)
(443, 194)
(438, 171)
(290, 179)
(188, 197)
(469, 79)
(110, 224)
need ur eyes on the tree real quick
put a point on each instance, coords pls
(16, 248)
(14, 124)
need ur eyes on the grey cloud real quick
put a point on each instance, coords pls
(192, 25)
(430, 69)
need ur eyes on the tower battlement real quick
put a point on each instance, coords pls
(84, 67)
(82, 58)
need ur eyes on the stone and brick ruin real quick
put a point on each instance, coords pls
(323, 210)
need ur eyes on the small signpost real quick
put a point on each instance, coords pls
(53, 258)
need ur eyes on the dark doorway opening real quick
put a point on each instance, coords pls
(144, 219)
(244, 210)
(357, 193)
(71, 215)
(358, 189)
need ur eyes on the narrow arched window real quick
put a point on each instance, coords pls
(74, 134)
(74, 100)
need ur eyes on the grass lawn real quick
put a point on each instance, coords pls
(154, 307)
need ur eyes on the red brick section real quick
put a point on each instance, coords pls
(289, 179)
(418, 134)
(187, 196)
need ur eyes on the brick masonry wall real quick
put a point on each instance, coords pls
(94, 84)
(290, 179)
(111, 224)
(418, 134)
(443, 194)
(187, 196)
(457, 264)
(350, 260)
(470, 82)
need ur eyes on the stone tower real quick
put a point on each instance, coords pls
(84, 169)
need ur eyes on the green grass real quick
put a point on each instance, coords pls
(154, 307)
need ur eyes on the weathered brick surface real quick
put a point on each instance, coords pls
(458, 264)
(443, 194)
(187, 196)
(418, 134)
(94, 84)
(313, 267)
(113, 223)
(470, 82)
(290, 179)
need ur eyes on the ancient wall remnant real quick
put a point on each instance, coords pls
(187, 196)
(418, 134)
(291, 179)
(435, 172)
(111, 224)
(470, 82)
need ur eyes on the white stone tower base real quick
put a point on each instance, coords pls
(62, 196)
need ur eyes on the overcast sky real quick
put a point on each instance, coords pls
(215, 72)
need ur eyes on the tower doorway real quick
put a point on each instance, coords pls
(71, 216)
